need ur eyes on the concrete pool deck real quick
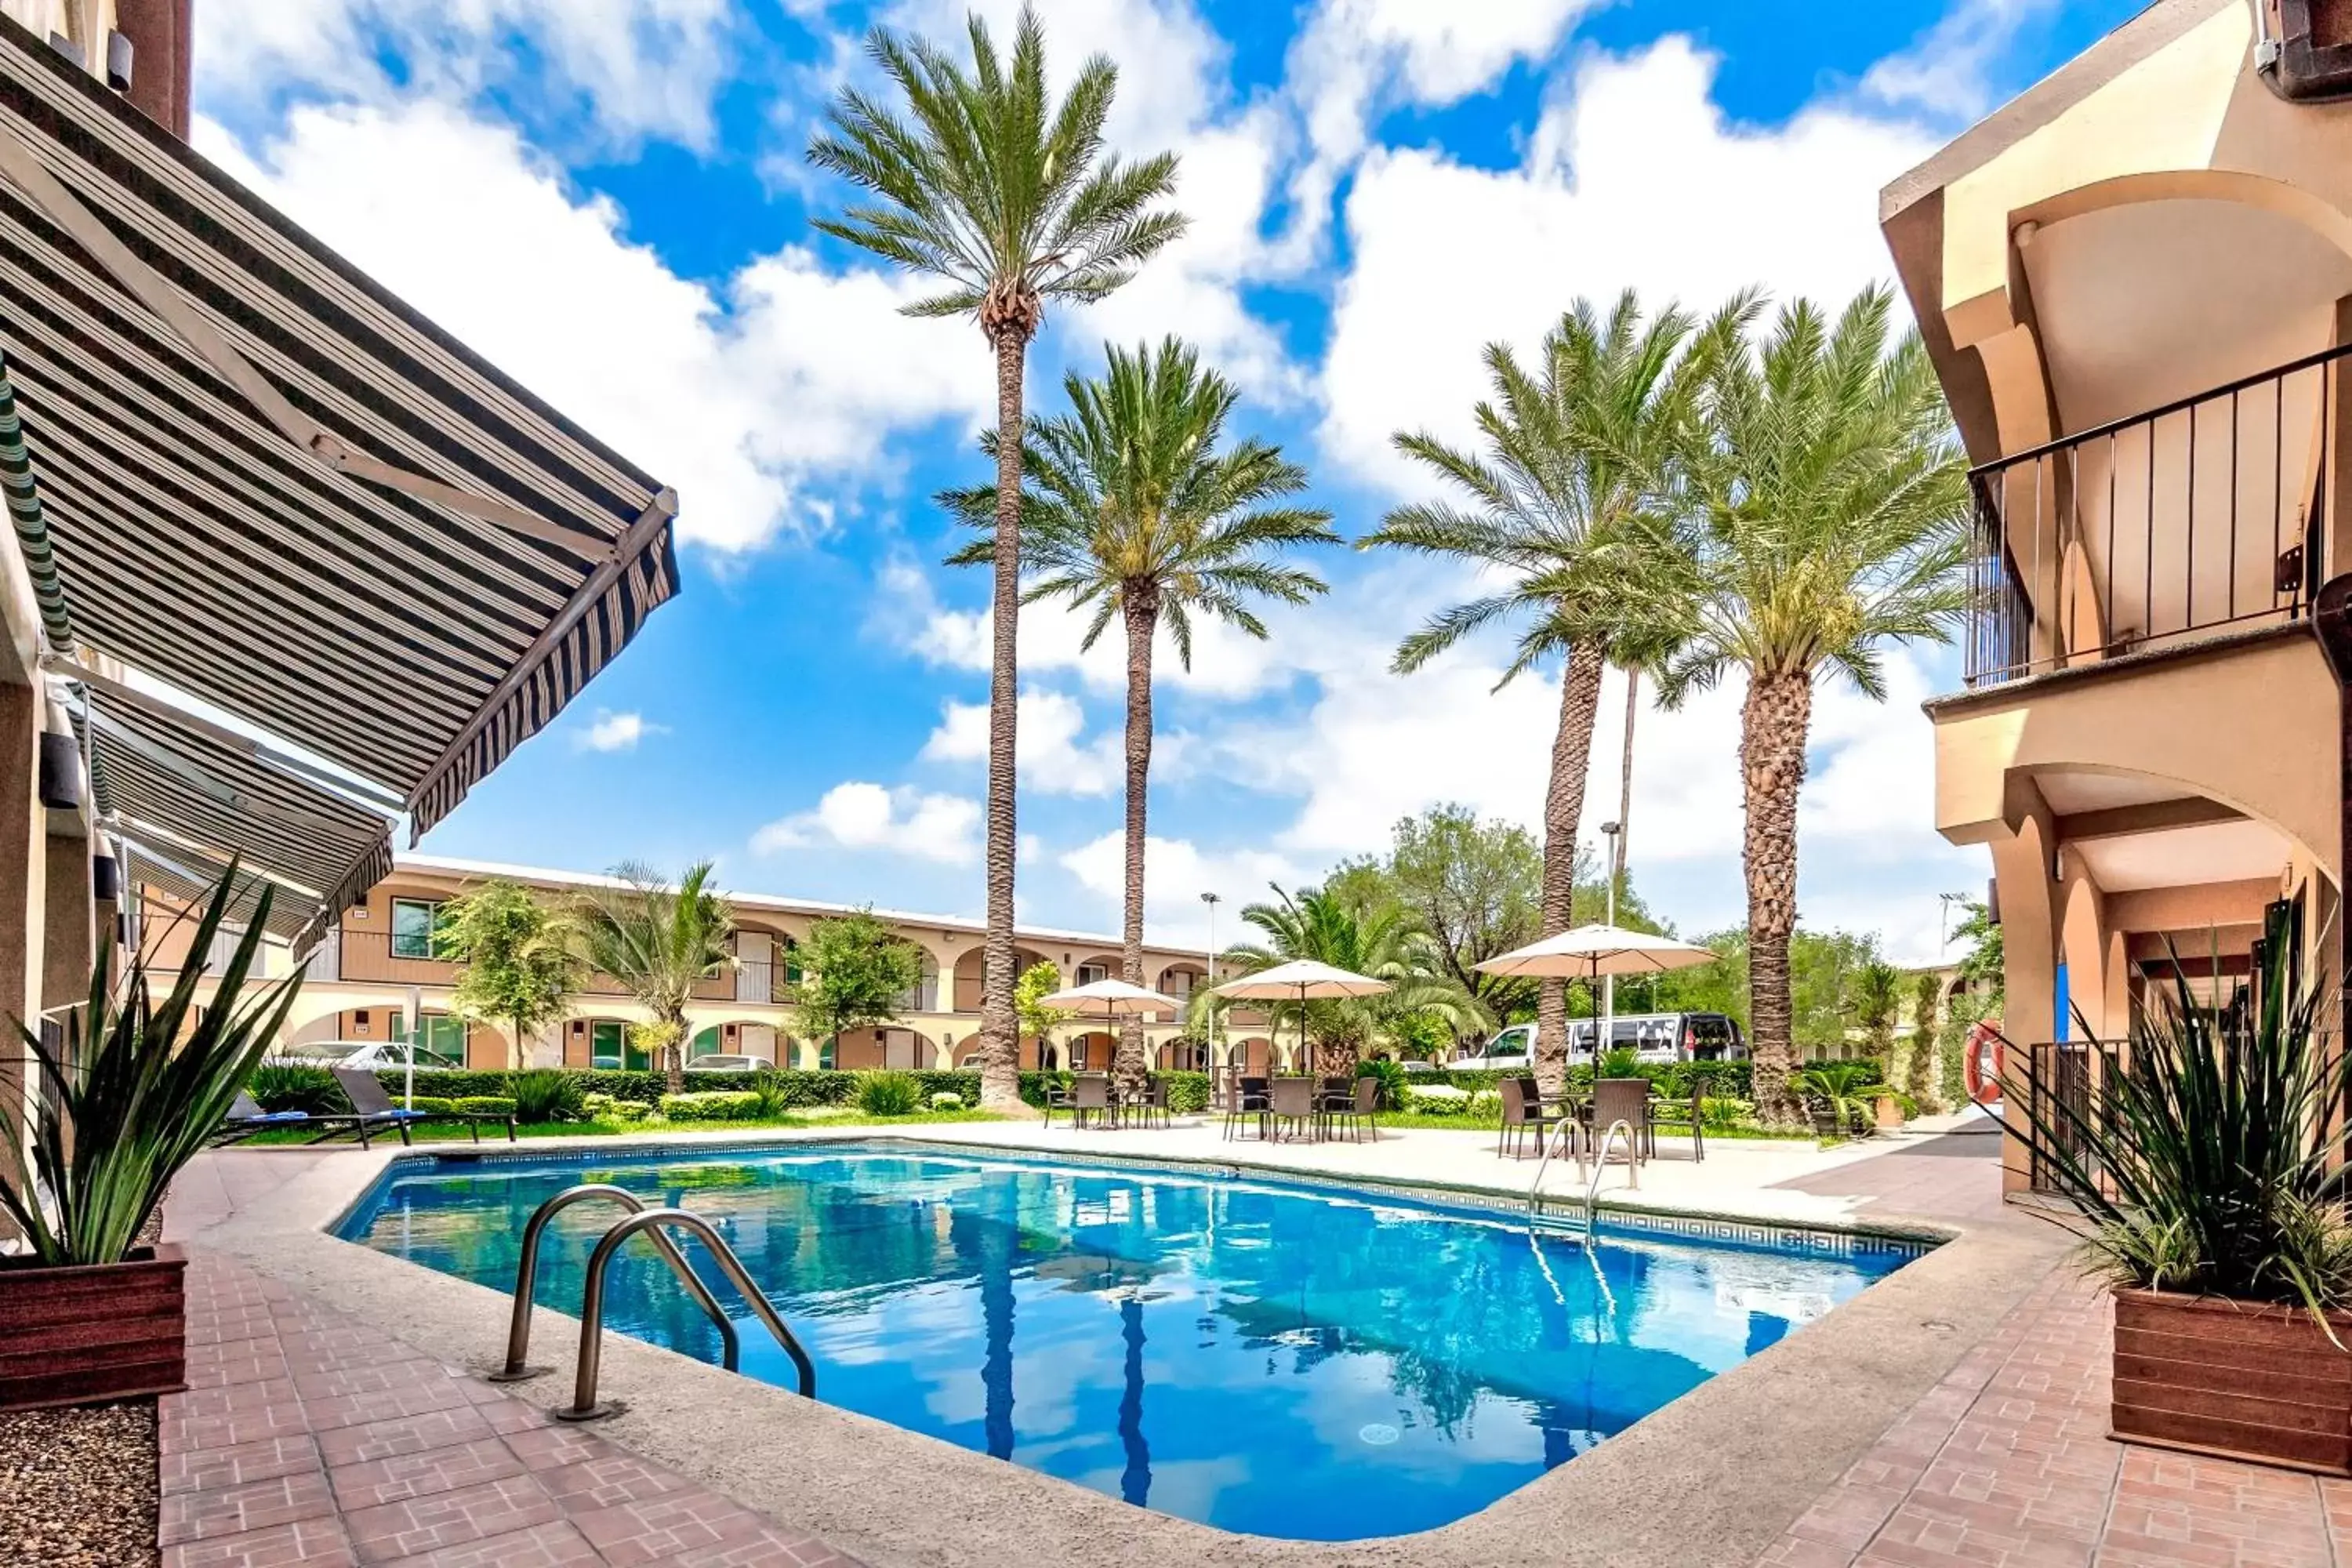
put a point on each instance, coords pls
(1716, 1478)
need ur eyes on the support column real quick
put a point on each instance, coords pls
(24, 834)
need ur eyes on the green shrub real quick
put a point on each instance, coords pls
(1438, 1099)
(889, 1093)
(1715, 1111)
(1394, 1080)
(711, 1105)
(427, 1104)
(286, 1085)
(485, 1105)
(1188, 1092)
(770, 1098)
(548, 1094)
(944, 1100)
(605, 1108)
(1623, 1061)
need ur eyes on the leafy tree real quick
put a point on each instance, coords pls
(1477, 889)
(1383, 943)
(855, 973)
(1877, 999)
(659, 941)
(1561, 510)
(1137, 508)
(518, 961)
(1822, 964)
(1038, 981)
(1010, 200)
(1982, 966)
(1827, 507)
(1919, 1065)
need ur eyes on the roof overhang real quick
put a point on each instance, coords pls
(273, 487)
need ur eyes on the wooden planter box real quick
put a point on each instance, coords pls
(2235, 1379)
(73, 1336)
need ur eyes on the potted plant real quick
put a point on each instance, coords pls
(132, 1093)
(2214, 1198)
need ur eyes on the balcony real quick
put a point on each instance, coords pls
(2199, 518)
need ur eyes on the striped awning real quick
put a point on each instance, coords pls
(196, 793)
(184, 881)
(274, 487)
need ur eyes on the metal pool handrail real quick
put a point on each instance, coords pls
(1569, 1125)
(527, 1279)
(592, 1307)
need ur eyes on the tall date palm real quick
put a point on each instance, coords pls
(1562, 508)
(1011, 201)
(1829, 508)
(1135, 508)
(659, 941)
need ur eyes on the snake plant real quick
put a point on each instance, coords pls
(137, 1084)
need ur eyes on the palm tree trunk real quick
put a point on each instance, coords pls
(1571, 757)
(1142, 612)
(1000, 1029)
(1773, 724)
(674, 1055)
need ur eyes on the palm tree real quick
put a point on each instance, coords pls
(1563, 511)
(1828, 504)
(1133, 509)
(1011, 201)
(658, 942)
(1381, 942)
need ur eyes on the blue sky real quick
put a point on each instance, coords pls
(608, 198)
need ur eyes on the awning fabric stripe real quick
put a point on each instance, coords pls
(188, 878)
(213, 795)
(271, 485)
(24, 497)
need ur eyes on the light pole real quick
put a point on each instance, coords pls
(1607, 1037)
(1212, 901)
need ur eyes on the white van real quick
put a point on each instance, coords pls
(1653, 1036)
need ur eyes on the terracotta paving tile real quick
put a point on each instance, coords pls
(433, 1392)
(606, 1482)
(240, 1509)
(541, 1546)
(211, 1469)
(311, 1543)
(416, 1526)
(556, 1443)
(663, 1528)
(446, 1468)
(772, 1549)
(401, 1435)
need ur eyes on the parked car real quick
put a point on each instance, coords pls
(721, 1062)
(376, 1055)
(1653, 1036)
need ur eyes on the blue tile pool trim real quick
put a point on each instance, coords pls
(1863, 1240)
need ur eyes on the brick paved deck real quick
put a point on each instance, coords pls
(2007, 1463)
(304, 1439)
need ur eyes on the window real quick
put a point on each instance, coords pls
(1088, 973)
(438, 1035)
(605, 1040)
(415, 929)
(792, 962)
(1178, 984)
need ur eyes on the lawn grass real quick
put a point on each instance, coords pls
(457, 1132)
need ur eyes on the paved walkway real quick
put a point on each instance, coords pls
(2009, 1463)
(304, 1439)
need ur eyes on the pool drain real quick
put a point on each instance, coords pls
(1379, 1434)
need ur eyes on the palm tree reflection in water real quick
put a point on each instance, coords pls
(1135, 1481)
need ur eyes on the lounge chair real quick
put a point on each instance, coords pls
(1090, 1098)
(1358, 1110)
(377, 1111)
(1674, 1116)
(1247, 1099)
(245, 1118)
(1523, 1112)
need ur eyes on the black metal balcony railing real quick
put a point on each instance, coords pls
(2202, 516)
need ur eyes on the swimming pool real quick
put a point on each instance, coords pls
(1292, 1360)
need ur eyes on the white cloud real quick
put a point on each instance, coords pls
(749, 404)
(1176, 871)
(1949, 71)
(613, 731)
(857, 815)
(1055, 757)
(622, 68)
(1634, 177)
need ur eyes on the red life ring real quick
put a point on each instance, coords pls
(1982, 1060)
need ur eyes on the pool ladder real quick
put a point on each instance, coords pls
(1571, 1217)
(656, 1222)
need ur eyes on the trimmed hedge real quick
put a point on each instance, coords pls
(1674, 1081)
(711, 1105)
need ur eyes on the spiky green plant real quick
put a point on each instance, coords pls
(138, 1087)
(1847, 1093)
(2204, 1164)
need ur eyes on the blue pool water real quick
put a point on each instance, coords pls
(1283, 1360)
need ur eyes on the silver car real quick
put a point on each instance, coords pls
(372, 1055)
(721, 1062)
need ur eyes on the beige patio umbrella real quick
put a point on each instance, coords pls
(1302, 980)
(1588, 953)
(1114, 998)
